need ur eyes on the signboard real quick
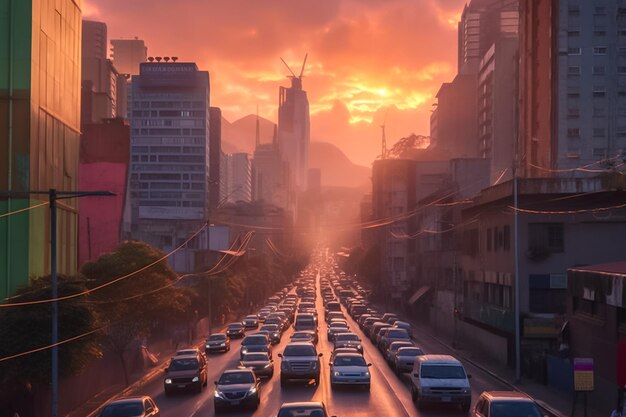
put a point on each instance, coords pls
(583, 374)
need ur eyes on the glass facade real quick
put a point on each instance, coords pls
(39, 132)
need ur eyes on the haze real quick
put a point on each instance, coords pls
(365, 57)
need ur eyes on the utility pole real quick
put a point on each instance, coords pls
(52, 198)
(518, 374)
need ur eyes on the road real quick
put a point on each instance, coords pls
(389, 395)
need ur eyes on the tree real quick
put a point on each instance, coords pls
(25, 328)
(134, 306)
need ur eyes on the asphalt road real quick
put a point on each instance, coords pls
(389, 394)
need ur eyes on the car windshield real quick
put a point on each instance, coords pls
(123, 410)
(299, 351)
(514, 409)
(410, 352)
(349, 361)
(235, 326)
(186, 352)
(396, 346)
(302, 412)
(347, 337)
(183, 364)
(254, 340)
(233, 378)
(255, 357)
(270, 327)
(217, 338)
(443, 371)
(338, 326)
(301, 336)
(398, 334)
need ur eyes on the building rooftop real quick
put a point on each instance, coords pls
(614, 268)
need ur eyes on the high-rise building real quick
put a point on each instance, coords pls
(572, 85)
(271, 176)
(294, 131)
(40, 89)
(94, 40)
(128, 54)
(170, 153)
(239, 176)
(215, 156)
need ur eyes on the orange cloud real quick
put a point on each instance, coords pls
(365, 56)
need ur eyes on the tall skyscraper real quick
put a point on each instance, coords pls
(128, 54)
(94, 40)
(215, 156)
(294, 130)
(572, 85)
(239, 185)
(170, 152)
(40, 89)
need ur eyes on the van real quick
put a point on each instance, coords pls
(440, 379)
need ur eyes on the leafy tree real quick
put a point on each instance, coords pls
(133, 306)
(26, 328)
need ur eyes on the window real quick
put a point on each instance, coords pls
(600, 50)
(599, 93)
(573, 94)
(507, 238)
(574, 51)
(601, 10)
(599, 111)
(573, 33)
(573, 113)
(489, 240)
(599, 33)
(545, 238)
(621, 50)
(599, 132)
(547, 300)
(589, 308)
(599, 70)
(573, 132)
(573, 70)
(573, 11)
(599, 152)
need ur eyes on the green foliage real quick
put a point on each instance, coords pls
(26, 328)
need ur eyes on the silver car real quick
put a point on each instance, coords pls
(349, 369)
(404, 358)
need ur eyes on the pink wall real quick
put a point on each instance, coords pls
(100, 218)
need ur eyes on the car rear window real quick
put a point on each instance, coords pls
(347, 337)
(398, 334)
(254, 340)
(410, 352)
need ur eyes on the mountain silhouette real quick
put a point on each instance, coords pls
(337, 169)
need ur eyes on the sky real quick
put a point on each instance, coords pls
(369, 61)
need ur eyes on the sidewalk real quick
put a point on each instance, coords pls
(551, 400)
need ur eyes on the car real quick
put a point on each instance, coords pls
(304, 336)
(237, 388)
(349, 369)
(305, 321)
(251, 321)
(505, 404)
(260, 363)
(255, 343)
(334, 315)
(235, 330)
(440, 379)
(373, 330)
(273, 332)
(404, 325)
(390, 352)
(348, 340)
(300, 361)
(404, 358)
(217, 342)
(131, 406)
(387, 317)
(303, 409)
(185, 373)
(336, 328)
(394, 334)
(189, 351)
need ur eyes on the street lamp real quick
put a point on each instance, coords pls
(53, 196)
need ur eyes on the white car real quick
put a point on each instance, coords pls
(349, 369)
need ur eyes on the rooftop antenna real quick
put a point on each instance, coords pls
(303, 65)
(293, 74)
(258, 130)
(383, 154)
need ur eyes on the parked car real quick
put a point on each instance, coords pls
(349, 369)
(217, 342)
(303, 409)
(235, 330)
(237, 388)
(185, 373)
(300, 361)
(440, 379)
(505, 404)
(404, 358)
(260, 363)
(131, 406)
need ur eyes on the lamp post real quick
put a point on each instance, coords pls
(53, 196)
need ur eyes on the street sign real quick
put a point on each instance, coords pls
(583, 374)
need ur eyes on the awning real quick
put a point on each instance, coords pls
(419, 294)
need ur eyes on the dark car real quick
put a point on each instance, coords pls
(217, 342)
(300, 361)
(185, 373)
(235, 330)
(132, 406)
(348, 340)
(237, 388)
(273, 331)
(260, 363)
(255, 343)
(251, 321)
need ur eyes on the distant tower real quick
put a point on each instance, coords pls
(257, 139)
(294, 130)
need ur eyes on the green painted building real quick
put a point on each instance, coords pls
(40, 47)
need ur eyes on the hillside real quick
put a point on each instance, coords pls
(337, 169)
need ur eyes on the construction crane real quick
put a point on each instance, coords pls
(383, 154)
(296, 80)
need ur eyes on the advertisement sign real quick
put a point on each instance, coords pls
(583, 374)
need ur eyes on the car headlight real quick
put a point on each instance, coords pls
(337, 373)
(275, 334)
(223, 344)
(244, 350)
(359, 347)
(168, 381)
(195, 379)
(252, 390)
(218, 394)
(207, 346)
(367, 373)
(268, 365)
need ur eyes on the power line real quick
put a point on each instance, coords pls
(591, 210)
(45, 203)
